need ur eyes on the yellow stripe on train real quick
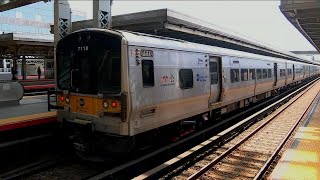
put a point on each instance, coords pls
(89, 105)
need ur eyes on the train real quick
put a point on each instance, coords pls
(5, 69)
(49, 69)
(120, 90)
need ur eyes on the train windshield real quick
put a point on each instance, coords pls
(89, 62)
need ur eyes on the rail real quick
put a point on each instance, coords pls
(130, 168)
(198, 151)
(230, 150)
(276, 152)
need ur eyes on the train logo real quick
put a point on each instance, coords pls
(167, 80)
(202, 78)
(82, 102)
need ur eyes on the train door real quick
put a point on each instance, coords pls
(275, 71)
(215, 79)
(293, 72)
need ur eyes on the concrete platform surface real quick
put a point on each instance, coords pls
(302, 159)
(28, 106)
(31, 111)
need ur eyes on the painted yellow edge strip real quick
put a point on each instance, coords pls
(26, 118)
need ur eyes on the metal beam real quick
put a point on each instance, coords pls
(102, 14)
(62, 19)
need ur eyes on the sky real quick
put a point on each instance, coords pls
(258, 20)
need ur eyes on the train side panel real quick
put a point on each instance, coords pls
(238, 78)
(164, 101)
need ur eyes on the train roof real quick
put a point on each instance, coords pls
(169, 23)
(153, 41)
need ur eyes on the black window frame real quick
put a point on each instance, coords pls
(213, 70)
(264, 73)
(253, 77)
(181, 79)
(269, 73)
(242, 72)
(259, 74)
(151, 78)
(235, 78)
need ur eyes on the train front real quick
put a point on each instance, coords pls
(90, 100)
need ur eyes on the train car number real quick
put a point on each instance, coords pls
(83, 48)
(146, 53)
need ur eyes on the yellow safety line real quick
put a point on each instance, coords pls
(26, 118)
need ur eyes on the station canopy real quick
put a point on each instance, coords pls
(17, 45)
(169, 23)
(304, 15)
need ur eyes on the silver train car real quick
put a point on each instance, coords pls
(118, 90)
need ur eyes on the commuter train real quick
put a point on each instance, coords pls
(5, 69)
(119, 90)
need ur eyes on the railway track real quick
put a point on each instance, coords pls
(246, 156)
(135, 167)
(251, 156)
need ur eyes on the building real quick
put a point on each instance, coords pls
(33, 20)
(26, 30)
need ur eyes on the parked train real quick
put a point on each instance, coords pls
(118, 90)
(5, 69)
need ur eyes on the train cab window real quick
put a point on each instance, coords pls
(186, 78)
(269, 73)
(252, 74)
(147, 73)
(264, 73)
(214, 72)
(259, 74)
(234, 75)
(244, 74)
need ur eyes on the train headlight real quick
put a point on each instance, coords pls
(105, 104)
(68, 99)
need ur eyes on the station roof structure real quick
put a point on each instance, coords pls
(304, 15)
(169, 23)
(13, 44)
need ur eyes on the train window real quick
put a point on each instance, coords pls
(186, 78)
(282, 72)
(213, 72)
(1, 63)
(234, 75)
(252, 74)
(264, 73)
(244, 74)
(147, 73)
(259, 74)
(269, 73)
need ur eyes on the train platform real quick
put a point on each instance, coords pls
(302, 159)
(31, 111)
